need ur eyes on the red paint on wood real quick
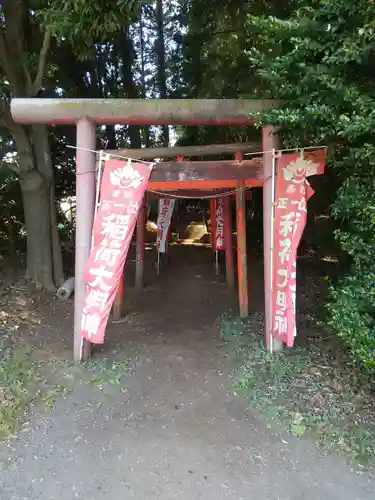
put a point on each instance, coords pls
(140, 246)
(203, 185)
(188, 151)
(118, 305)
(243, 292)
(228, 243)
(190, 193)
(207, 171)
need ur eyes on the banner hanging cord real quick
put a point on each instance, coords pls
(114, 155)
(103, 156)
(107, 156)
(285, 150)
(165, 194)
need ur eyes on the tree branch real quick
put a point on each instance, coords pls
(6, 120)
(5, 62)
(42, 62)
(10, 166)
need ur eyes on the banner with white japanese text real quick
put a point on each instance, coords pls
(212, 222)
(165, 211)
(123, 185)
(290, 214)
(219, 224)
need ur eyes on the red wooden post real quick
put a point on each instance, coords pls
(269, 143)
(228, 243)
(243, 292)
(85, 208)
(118, 305)
(140, 245)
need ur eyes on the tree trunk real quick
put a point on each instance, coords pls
(36, 204)
(146, 129)
(44, 259)
(129, 85)
(160, 54)
(19, 42)
(10, 232)
(43, 159)
(110, 133)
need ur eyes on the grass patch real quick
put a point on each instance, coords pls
(20, 377)
(101, 372)
(309, 390)
(27, 381)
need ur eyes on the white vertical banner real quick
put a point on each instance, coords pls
(165, 211)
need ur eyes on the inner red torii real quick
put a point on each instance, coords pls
(166, 176)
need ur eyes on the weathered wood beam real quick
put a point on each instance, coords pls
(200, 185)
(190, 193)
(85, 210)
(206, 150)
(155, 194)
(207, 170)
(139, 111)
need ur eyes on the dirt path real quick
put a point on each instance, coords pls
(173, 430)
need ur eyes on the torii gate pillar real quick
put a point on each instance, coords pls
(140, 245)
(270, 141)
(243, 283)
(85, 209)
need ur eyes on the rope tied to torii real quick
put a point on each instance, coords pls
(105, 156)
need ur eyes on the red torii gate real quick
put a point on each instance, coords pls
(197, 179)
(172, 176)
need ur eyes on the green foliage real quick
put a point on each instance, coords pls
(231, 329)
(308, 391)
(320, 62)
(85, 22)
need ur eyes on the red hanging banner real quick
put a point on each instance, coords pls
(212, 223)
(290, 215)
(122, 189)
(219, 224)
